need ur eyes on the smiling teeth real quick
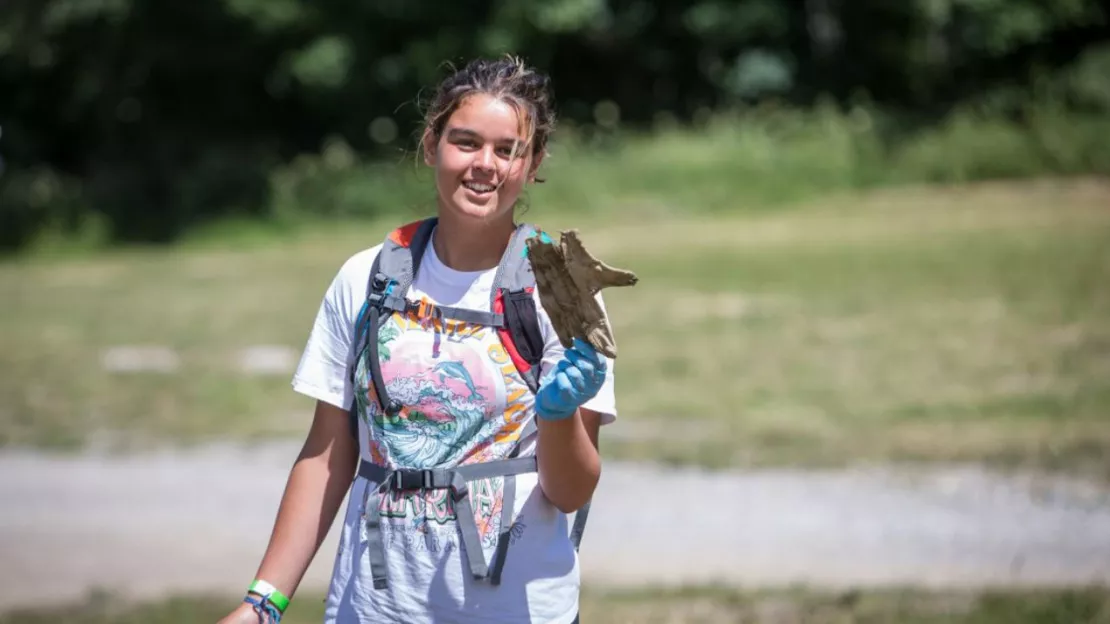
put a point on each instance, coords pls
(479, 188)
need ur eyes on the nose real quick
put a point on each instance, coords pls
(485, 159)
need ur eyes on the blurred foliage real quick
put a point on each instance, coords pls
(746, 159)
(156, 117)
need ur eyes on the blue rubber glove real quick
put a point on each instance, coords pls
(577, 378)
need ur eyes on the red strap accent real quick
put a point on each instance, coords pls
(403, 235)
(507, 336)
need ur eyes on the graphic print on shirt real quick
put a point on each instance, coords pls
(464, 402)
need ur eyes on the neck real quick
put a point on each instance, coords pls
(471, 245)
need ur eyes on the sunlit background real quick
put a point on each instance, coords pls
(864, 377)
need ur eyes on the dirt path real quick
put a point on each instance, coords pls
(199, 520)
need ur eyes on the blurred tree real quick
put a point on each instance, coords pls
(167, 114)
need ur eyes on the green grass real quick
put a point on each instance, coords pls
(667, 606)
(923, 323)
(929, 325)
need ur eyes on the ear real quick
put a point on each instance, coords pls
(535, 168)
(428, 143)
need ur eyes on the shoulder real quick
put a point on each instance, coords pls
(355, 270)
(354, 273)
(348, 287)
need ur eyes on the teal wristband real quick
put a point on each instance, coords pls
(271, 593)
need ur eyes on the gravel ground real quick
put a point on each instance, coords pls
(198, 520)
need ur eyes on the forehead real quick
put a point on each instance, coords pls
(488, 116)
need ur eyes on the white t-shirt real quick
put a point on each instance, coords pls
(464, 401)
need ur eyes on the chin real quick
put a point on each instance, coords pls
(466, 208)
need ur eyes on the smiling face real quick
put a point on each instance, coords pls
(482, 159)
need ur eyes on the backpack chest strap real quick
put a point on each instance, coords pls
(453, 479)
(442, 478)
(424, 310)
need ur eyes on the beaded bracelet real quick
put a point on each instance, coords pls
(264, 608)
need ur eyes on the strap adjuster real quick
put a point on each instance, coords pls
(381, 287)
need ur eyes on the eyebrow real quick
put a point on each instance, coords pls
(468, 133)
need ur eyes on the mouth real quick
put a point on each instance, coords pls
(479, 188)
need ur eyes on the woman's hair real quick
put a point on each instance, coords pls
(508, 79)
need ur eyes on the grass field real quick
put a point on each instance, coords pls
(696, 606)
(919, 324)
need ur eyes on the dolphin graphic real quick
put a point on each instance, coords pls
(457, 371)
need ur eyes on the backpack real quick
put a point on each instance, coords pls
(513, 314)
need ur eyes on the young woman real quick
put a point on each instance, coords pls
(494, 547)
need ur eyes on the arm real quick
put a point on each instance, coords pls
(567, 448)
(317, 484)
(569, 462)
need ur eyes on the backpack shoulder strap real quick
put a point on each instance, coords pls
(400, 257)
(390, 278)
(512, 296)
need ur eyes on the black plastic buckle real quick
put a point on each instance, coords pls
(412, 480)
(380, 282)
(379, 290)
